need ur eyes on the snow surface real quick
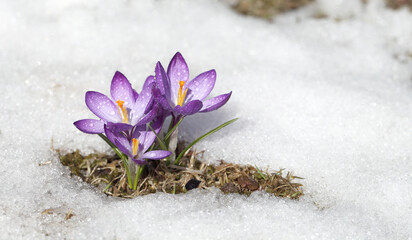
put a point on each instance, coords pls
(329, 99)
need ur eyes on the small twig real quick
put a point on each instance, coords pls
(69, 214)
(45, 163)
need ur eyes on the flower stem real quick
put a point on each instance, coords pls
(137, 177)
(171, 130)
(171, 124)
(171, 138)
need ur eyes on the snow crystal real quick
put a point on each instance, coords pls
(329, 99)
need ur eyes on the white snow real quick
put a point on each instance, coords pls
(329, 99)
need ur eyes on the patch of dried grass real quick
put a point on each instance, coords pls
(268, 8)
(107, 173)
(396, 4)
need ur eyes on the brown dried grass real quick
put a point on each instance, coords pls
(268, 8)
(108, 174)
(396, 4)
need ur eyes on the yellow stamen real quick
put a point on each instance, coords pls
(181, 95)
(135, 146)
(122, 111)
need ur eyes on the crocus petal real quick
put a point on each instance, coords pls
(118, 139)
(139, 161)
(201, 86)
(190, 108)
(90, 126)
(150, 106)
(123, 146)
(121, 89)
(102, 106)
(162, 113)
(162, 80)
(157, 127)
(147, 118)
(143, 102)
(156, 155)
(177, 71)
(119, 127)
(138, 131)
(160, 99)
(158, 123)
(149, 80)
(149, 139)
(215, 103)
(135, 95)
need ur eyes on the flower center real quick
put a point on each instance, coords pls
(122, 111)
(181, 95)
(135, 146)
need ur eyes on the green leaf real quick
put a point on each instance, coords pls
(173, 129)
(174, 189)
(137, 177)
(203, 136)
(151, 147)
(260, 173)
(116, 150)
(107, 187)
(161, 142)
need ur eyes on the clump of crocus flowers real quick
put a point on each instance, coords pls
(131, 122)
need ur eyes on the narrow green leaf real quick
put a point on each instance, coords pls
(137, 177)
(115, 149)
(126, 166)
(260, 173)
(295, 194)
(151, 147)
(172, 120)
(107, 187)
(159, 140)
(169, 133)
(203, 136)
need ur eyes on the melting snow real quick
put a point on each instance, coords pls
(329, 99)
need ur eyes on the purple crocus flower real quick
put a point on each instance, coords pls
(182, 97)
(136, 146)
(125, 109)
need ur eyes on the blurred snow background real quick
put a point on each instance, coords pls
(329, 99)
